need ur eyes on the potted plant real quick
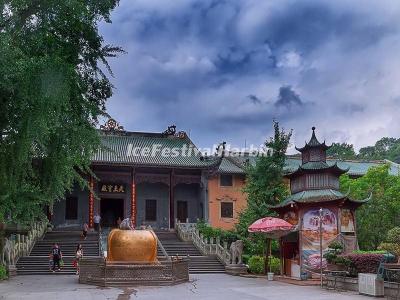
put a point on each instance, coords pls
(335, 261)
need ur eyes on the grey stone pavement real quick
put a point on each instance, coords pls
(218, 286)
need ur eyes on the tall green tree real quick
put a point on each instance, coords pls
(341, 151)
(385, 148)
(381, 213)
(52, 92)
(264, 185)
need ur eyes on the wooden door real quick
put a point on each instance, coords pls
(182, 211)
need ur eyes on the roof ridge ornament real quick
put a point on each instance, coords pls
(171, 130)
(313, 142)
(112, 125)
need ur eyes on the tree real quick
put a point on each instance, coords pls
(385, 148)
(380, 214)
(52, 91)
(392, 242)
(264, 187)
(341, 151)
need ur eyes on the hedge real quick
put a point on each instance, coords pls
(364, 263)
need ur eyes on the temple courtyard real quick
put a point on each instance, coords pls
(207, 286)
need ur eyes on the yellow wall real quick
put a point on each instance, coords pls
(218, 194)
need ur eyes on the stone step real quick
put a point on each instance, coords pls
(37, 262)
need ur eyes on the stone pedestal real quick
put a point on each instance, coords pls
(236, 269)
(11, 270)
(97, 271)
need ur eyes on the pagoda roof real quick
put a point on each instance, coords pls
(313, 143)
(318, 166)
(317, 196)
(356, 167)
(293, 162)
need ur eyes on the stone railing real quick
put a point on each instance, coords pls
(188, 232)
(21, 245)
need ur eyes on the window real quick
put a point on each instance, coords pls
(226, 210)
(151, 210)
(225, 180)
(71, 208)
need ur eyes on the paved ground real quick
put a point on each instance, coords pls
(208, 287)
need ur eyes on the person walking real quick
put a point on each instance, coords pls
(85, 230)
(97, 220)
(57, 256)
(78, 256)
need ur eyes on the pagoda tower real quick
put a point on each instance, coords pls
(314, 188)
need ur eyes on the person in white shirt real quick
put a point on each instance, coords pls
(97, 220)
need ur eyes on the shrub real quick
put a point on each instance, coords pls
(364, 263)
(245, 258)
(337, 246)
(256, 264)
(209, 232)
(392, 242)
(3, 272)
(393, 235)
(333, 255)
(275, 265)
(369, 252)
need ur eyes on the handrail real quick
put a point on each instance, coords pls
(160, 244)
(188, 232)
(22, 245)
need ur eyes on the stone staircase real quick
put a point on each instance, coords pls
(37, 263)
(198, 263)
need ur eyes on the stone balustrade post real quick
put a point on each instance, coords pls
(23, 245)
(19, 244)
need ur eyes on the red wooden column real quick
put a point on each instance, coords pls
(133, 198)
(91, 202)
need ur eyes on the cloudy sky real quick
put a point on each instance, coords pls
(223, 70)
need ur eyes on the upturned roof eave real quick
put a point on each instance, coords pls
(297, 202)
(300, 170)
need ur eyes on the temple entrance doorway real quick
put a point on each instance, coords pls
(182, 211)
(110, 210)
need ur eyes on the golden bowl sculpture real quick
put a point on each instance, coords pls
(137, 246)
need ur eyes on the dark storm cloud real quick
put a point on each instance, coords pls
(214, 66)
(287, 97)
(254, 99)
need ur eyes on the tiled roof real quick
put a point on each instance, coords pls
(292, 163)
(356, 168)
(317, 166)
(115, 148)
(310, 196)
(229, 166)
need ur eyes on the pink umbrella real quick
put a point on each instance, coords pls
(273, 228)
